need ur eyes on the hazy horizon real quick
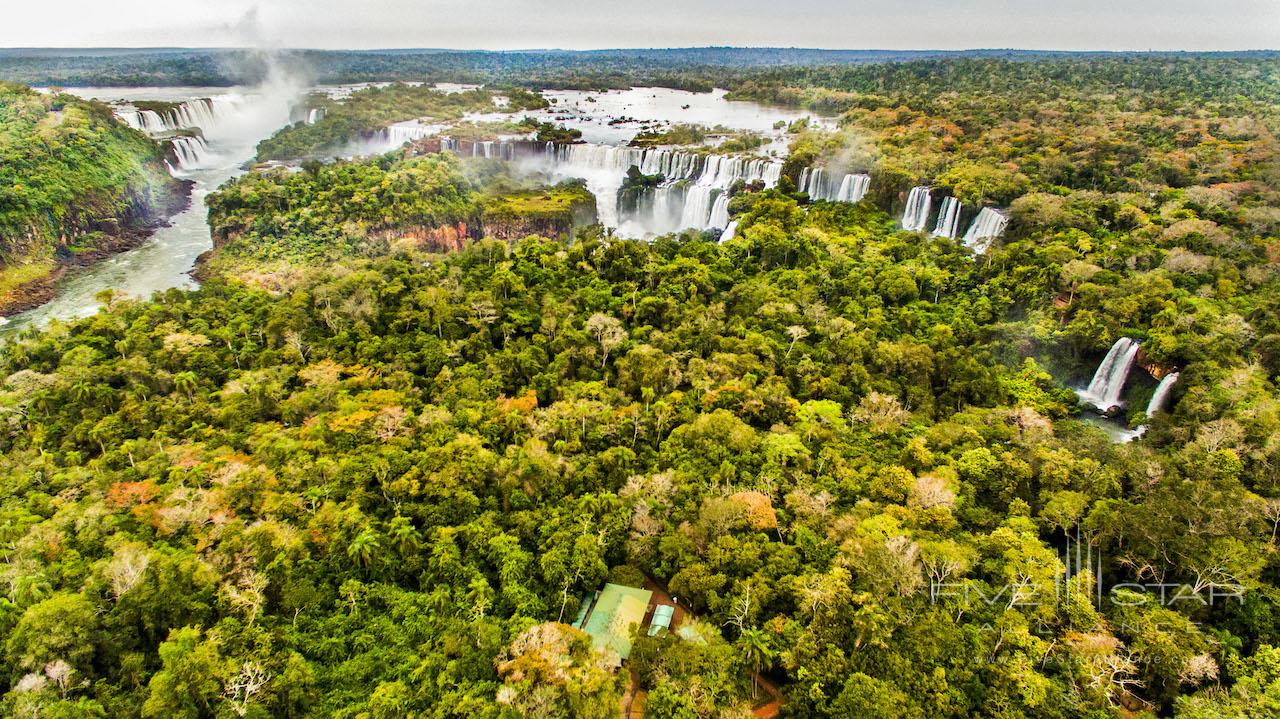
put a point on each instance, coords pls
(619, 48)
(1066, 25)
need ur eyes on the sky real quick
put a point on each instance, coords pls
(594, 24)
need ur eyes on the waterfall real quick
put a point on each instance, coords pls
(985, 228)
(1108, 381)
(851, 188)
(189, 151)
(200, 113)
(402, 132)
(803, 184)
(693, 194)
(720, 211)
(916, 213)
(948, 219)
(1158, 400)
(730, 232)
(1161, 395)
(145, 120)
(314, 115)
(482, 149)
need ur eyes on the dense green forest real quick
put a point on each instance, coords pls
(368, 467)
(355, 499)
(590, 69)
(271, 226)
(688, 68)
(372, 109)
(74, 183)
(990, 131)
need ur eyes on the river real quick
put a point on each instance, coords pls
(164, 260)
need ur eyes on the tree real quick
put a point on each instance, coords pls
(608, 332)
(190, 682)
(753, 646)
(63, 627)
(552, 670)
(364, 548)
(863, 696)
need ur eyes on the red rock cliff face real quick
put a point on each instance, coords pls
(521, 227)
(1145, 362)
(447, 238)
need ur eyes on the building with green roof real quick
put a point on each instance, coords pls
(608, 615)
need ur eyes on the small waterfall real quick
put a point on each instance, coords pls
(314, 115)
(402, 132)
(985, 228)
(146, 120)
(1108, 381)
(698, 204)
(1157, 403)
(1161, 396)
(730, 232)
(948, 219)
(720, 211)
(483, 149)
(189, 152)
(806, 177)
(851, 188)
(916, 214)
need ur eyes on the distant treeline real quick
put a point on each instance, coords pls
(687, 68)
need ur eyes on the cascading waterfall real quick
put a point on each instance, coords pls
(948, 219)
(706, 199)
(400, 133)
(851, 188)
(314, 115)
(189, 152)
(698, 203)
(1161, 396)
(589, 157)
(1108, 381)
(146, 120)
(916, 214)
(492, 149)
(720, 211)
(810, 182)
(201, 113)
(730, 231)
(985, 228)
(694, 192)
(1157, 403)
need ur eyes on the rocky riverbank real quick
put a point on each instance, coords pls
(114, 238)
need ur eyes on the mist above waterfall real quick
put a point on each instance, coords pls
(280, 84)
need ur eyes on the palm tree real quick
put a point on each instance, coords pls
(186, 382)
(364, 548)
(404, 536)
(754, 647)
(82, 390)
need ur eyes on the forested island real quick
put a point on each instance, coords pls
(426, 409)
(372, 109)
